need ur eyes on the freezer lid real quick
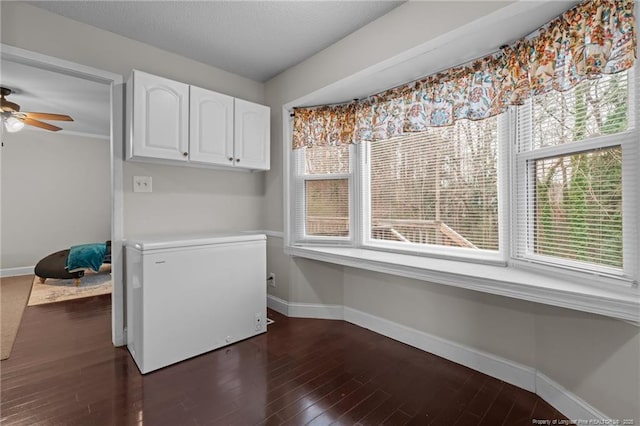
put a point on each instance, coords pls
(158, 242)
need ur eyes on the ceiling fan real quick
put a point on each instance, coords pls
(14, 120)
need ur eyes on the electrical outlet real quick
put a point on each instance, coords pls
(271, 280)
(142, 184)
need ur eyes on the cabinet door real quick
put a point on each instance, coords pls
(160, 118)
(252, 138)
(211, 127)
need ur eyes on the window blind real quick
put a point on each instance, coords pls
(593, 108)
(327, 160)
(437, 187)
(327, 207)
(571, 170)
(323, 190)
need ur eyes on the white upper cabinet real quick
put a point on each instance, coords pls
(160, 122)
(252, 135)
(172, 122)
(211, 127)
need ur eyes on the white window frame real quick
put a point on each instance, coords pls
(298, 229)
(496, 257)
(523, 181)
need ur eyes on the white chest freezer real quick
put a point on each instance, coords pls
(188, 296)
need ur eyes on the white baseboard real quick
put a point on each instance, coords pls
(277, 305)
(517, 374)
(304, 310)
(567, 402)
(14, 272)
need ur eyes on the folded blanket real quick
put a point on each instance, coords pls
(86, 256)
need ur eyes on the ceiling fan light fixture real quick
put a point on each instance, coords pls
(13, 124)
(14, 119)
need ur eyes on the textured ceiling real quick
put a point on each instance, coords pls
(254, 39)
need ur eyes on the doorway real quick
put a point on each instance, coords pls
(114, 135)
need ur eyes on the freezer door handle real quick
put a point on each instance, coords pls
(161, 261)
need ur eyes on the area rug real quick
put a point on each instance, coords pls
(14, 293)
(52, 290)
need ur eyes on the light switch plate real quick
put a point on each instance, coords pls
(142, 184)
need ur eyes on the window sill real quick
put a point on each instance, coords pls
(612, 301)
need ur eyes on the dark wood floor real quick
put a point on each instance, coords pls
(64, 370)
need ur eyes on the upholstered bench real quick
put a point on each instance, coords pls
(55, 266)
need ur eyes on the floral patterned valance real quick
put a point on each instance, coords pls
(594, 38)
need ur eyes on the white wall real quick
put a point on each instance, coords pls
(183, 199)
(594, 357)
(493, 324)
(55, 193)
(303, 280)
(186, 199)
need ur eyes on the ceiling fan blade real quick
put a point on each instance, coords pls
(9, 106)
(41, 124)
(47, 116)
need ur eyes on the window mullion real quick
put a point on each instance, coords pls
(630, 189)
(506, 131)
(521, 177)
(297, 194)
(364, 195)
(355, 203)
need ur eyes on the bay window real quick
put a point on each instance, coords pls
(524, 159)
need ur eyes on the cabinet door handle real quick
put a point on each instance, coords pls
(237, 160)
(185, 153)
(230, 158)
